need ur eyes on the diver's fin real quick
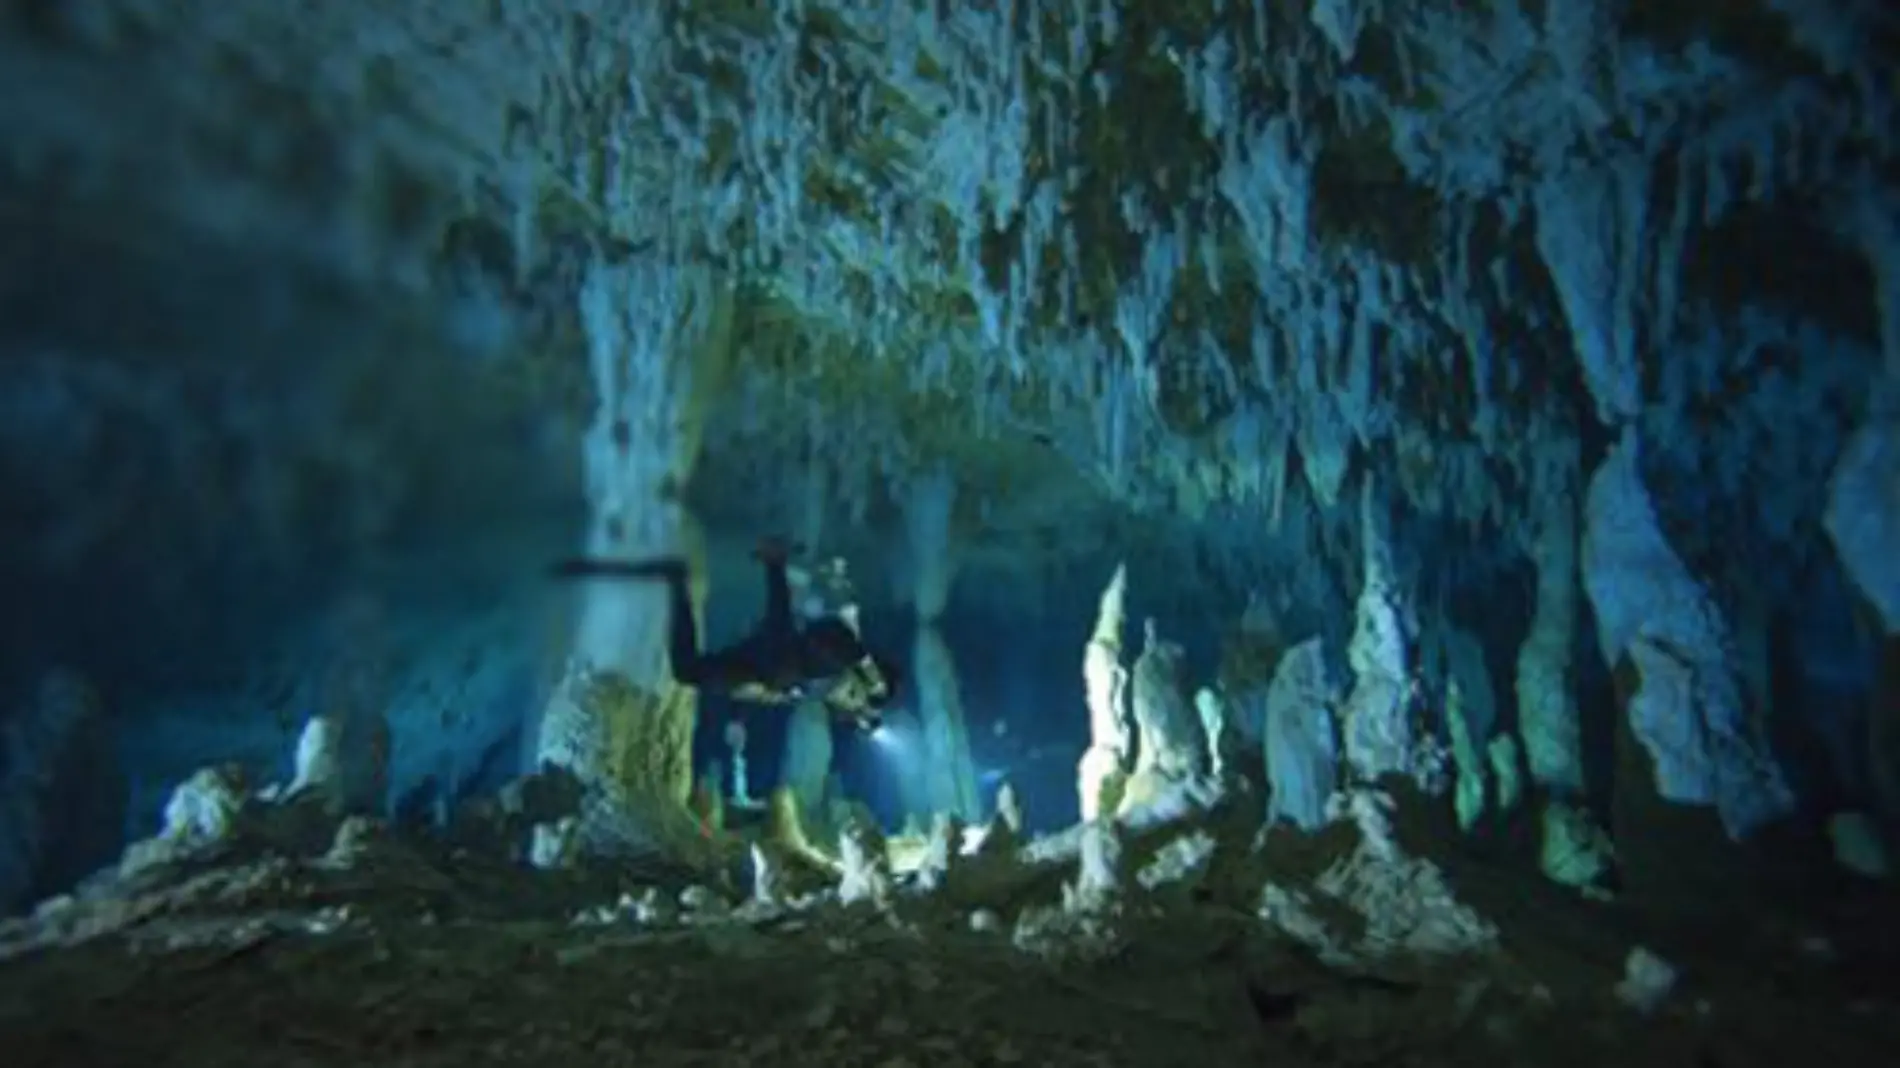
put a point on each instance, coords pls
(776, 550)
(661, 567)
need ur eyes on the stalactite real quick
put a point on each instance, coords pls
(1325, 442)
(1592, 230)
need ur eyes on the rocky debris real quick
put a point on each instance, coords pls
(1376, 902)
(1086, 925)
(866, 878)
(1647, 981)
(768, 883)
(1182, 937)
(943, 851)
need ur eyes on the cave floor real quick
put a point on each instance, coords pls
(258, 965)
(380, 950)
(495, 994)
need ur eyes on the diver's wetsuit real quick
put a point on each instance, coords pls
(778, 663)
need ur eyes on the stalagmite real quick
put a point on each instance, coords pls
(1171, 748)
(1302, 748)
(1217, 730)
(1377, 721)
(1470, 716)
(1103, 770)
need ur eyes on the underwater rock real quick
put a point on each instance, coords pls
(865, 874)
(1302, 751)
(943, 847)
(1572, 849)
(1403, 904)
(1686, 708)
(1181, 863)
(768, 882)
(1087, 925)
(356, 838)
(509, 822)
(1647, 982)
(205, 811)
(555, 845)
(1101, 876)
(318, 765)
(1009, 813)
(1170, 748)
(700, 902)
(1378, 727)
(1858, 845)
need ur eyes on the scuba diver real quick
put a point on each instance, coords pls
(780, 662)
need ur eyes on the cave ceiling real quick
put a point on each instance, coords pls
(1174, 276)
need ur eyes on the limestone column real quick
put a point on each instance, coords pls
(950, 771)
(656, 336)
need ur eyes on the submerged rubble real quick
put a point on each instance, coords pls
(255, 928)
